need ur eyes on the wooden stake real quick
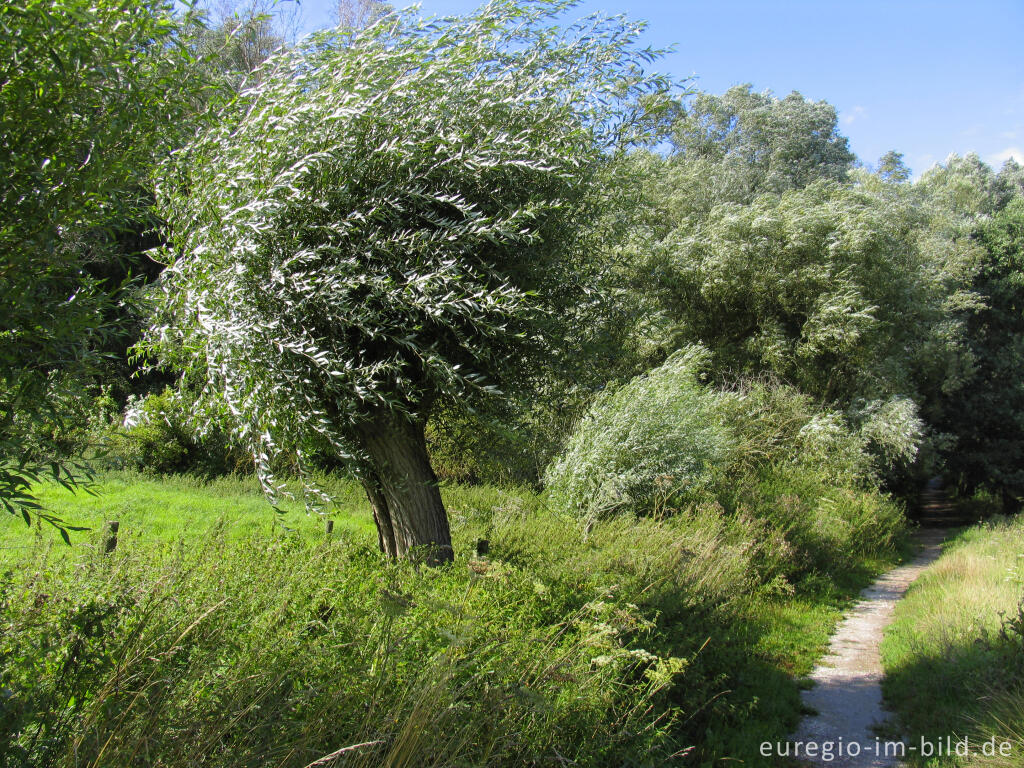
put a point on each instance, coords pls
(111, 543)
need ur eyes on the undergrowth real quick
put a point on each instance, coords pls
(638, 641)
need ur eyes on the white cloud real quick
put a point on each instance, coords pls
(997, 160)
(855, 114)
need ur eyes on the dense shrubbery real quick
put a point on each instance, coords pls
(666, 442)
(658, 439)
(157, 435)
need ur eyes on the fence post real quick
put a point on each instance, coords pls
(111, 542)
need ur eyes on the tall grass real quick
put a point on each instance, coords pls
(259, 653)
(635, 641)
(279, 651)
(954, 656)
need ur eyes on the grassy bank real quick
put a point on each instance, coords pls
(223, 634)
(954, 656)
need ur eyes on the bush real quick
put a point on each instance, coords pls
(157, 436)
(666, 442)
(829, 528)
(657, 438)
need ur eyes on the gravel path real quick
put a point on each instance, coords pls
(847, 694)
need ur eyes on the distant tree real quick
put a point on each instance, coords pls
(726, 150)
(90, 93)
(232, 38)
(359, 14)
(963, 187)
(745, 143)
(826, 287)
(892, 168)
(762, 242)
(387, 222)
(1010, 182)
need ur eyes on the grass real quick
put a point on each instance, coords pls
(179, 508)
(954, 655)
(186, 508)
(223, 634)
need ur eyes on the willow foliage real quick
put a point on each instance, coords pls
(670, 439)
(391, 216)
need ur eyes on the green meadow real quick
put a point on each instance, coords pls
(953, 656)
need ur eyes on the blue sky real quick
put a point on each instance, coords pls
(923, 78)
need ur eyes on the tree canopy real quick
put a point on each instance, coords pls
(742, 144)
(987, 415)
(389, 218)
(90, 94)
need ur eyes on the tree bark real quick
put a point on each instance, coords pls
(381, 515)
(402, 489)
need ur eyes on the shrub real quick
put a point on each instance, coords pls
(775, 425)
(760, 450)
(658, 437)
(829, 527)
(158, 436)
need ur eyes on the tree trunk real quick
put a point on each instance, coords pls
(402, 489)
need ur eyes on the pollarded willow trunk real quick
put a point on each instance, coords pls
(402, 488)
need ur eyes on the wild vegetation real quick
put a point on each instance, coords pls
(216, 634)
(953, 656)
(617, 391)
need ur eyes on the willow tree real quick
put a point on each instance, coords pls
(388, 219)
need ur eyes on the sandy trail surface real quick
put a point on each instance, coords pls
(847, 693)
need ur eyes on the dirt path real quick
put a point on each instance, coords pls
(847, 694)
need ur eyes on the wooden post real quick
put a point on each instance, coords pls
(329, 527)
(111, 542)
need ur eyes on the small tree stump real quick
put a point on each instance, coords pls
(111, 541)
(483, 546)
(329, 527)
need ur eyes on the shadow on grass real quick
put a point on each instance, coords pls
(758, 657)
(971, 689)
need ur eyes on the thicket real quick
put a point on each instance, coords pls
(668, 442)
(878, 296)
